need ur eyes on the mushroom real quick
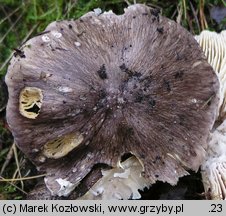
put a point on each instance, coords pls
(93, 90)
(214, 167)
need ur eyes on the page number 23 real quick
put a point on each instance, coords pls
(216, 208)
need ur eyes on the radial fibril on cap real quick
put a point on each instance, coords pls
(137, 83)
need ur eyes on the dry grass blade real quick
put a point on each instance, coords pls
(203, 21)
(70, 8)
(17, 164)
(11, 27)
(7, 160)
(127, 2)
(179, 16)
(3, 179)
(185, 9)
(195, 16)
(9, 15)
(22, 178)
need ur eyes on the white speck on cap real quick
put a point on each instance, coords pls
(65, 89)
(77, 44)
(45, 38)
(56, 34)
(194, 100)
(65, 187)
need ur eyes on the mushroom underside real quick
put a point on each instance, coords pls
(214, 166)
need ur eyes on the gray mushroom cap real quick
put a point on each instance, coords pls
(88, 91)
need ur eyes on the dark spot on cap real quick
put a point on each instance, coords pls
(102, 72)
(193, 153)
(160, 30)
(171, 139)
(166, 85)
(86, 113)
(158, 157)
(152, 102)
(155, 11)
(137, 74)
(130, 73)
(19, 53)
(102, 94)
(138, 97)
(125, 130)
(142, 156)
(70, 26)
(123, 67)
(134, 17)
(182, 119)
(179, 75)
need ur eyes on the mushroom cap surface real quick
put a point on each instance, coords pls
(89, 91)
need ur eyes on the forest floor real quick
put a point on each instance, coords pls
(22, 19)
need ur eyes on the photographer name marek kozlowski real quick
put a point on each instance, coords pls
(60, 208)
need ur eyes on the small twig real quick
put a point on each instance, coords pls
(206, 103)
(195, 15)
(7, 160)
(174, 14)
(179, 16)
(10, 22)
(1, 179)
(127, 2)
(69, 8)
(9, 15)
(10, 29)
(185, 9)
(17, 163)
(204, 24)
